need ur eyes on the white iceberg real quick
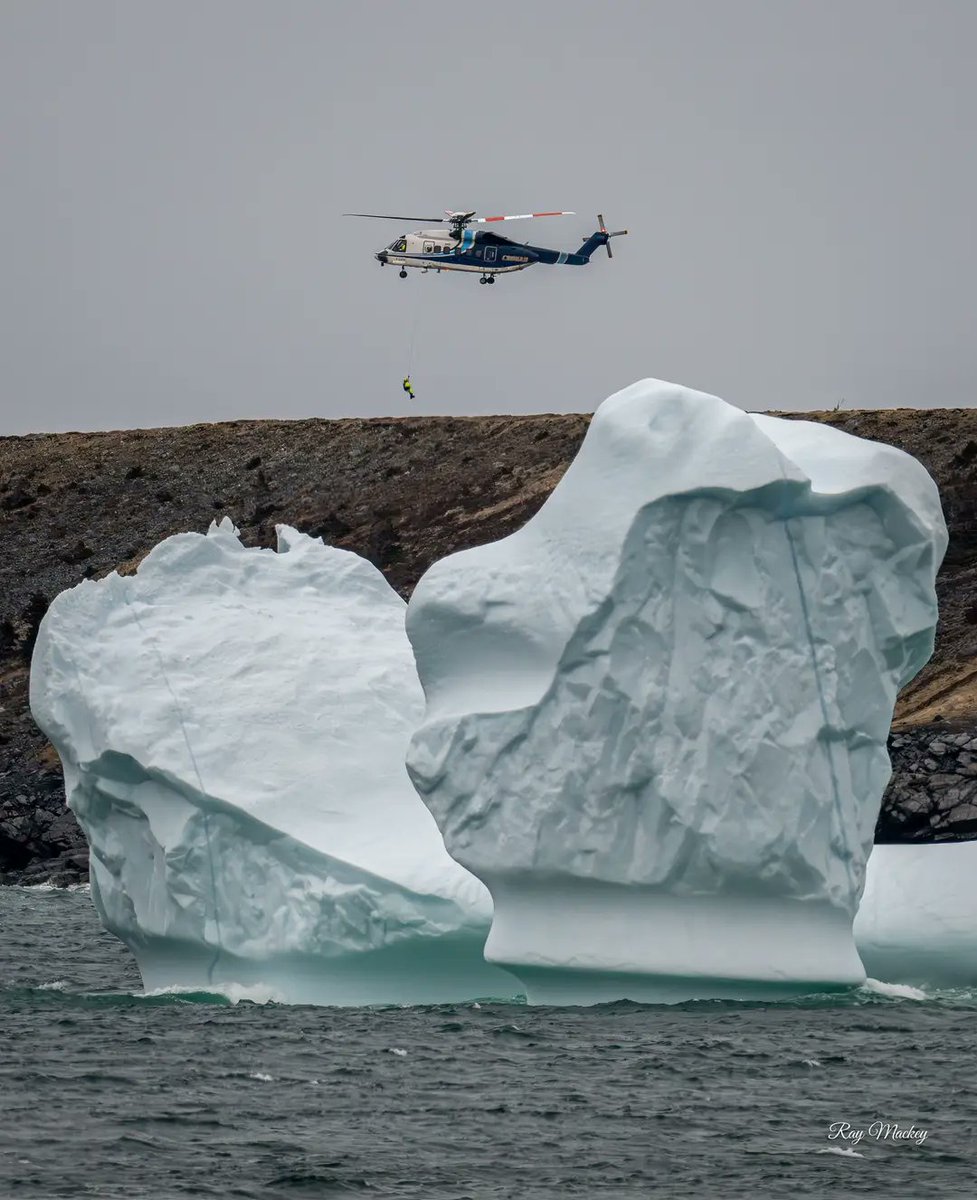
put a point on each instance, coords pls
(232, 725)
(917, 921)
(657, 714)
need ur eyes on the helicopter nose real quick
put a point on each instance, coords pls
(381, 257)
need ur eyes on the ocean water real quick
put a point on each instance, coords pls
(106, 1092)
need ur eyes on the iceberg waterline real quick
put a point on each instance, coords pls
(216, 873)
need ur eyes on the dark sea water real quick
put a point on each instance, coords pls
(105, 1092)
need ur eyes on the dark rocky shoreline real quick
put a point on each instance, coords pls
(403, 492)
(933, 792)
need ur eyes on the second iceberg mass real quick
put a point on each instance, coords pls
(657, 714)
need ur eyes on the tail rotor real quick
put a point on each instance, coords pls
(603, 228)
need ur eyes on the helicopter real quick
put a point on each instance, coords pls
(487, 254)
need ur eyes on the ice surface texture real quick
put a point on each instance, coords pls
(657, 714)
(232, 724)
(917, 922)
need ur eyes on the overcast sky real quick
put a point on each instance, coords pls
(798, 176)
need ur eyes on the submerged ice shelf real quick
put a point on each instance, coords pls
(232, 725)
(657, 714)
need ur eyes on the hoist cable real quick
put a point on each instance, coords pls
(413, 333)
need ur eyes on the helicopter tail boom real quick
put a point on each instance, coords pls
(600, 238)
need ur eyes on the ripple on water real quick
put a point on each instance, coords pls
(113, 1092)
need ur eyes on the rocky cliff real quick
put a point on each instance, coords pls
(403, 492)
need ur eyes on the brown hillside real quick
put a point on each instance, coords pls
(403, 492)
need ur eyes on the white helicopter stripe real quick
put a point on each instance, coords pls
(429, 262)
(521, 217)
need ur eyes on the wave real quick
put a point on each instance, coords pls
(230, 993)
(898, 991)
(60, 993)
(874, 993)
(47, 886)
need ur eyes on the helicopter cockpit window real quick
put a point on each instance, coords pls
(399, 246)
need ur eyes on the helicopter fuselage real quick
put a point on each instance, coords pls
(486, 253)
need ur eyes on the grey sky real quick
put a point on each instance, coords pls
(798, 177)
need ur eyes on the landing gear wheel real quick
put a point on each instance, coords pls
(491, 279)
(403, 273)
(484, 279)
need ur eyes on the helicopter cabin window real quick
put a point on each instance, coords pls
(428, 248)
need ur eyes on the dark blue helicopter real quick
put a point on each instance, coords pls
(459, 248)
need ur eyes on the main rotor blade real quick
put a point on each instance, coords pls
(391, 217)
(521, 217)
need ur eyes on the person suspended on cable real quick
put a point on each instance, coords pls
(408, 386)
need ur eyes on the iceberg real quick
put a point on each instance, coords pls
(917, 922)
(656, 715)
(232, 725)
